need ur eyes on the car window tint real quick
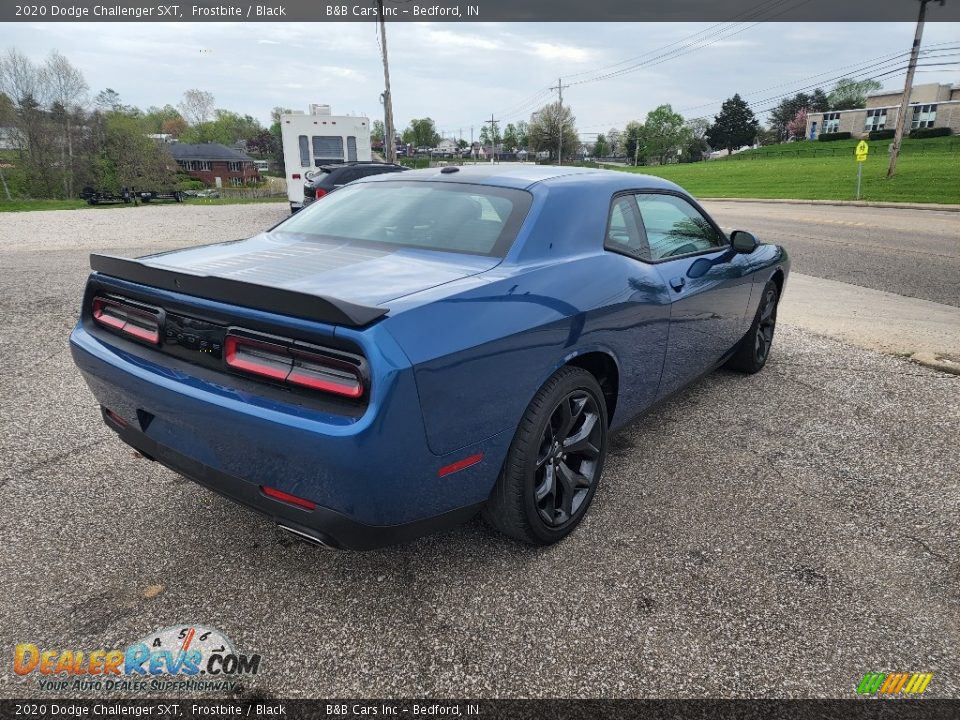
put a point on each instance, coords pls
(345, 176)
(674, 227)
(624, 233)
(474, 219)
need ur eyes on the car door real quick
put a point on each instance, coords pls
(709, 285)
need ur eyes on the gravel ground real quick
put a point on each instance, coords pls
(767, 536)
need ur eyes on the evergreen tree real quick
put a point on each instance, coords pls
(734, 127)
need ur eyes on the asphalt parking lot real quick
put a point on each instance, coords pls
(770, 536)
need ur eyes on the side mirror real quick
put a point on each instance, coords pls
(743, 242)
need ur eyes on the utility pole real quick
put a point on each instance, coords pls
(493, 134)
(389, 148)
(559, 88)
(907, 89)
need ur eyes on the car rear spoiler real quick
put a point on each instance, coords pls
(237, 292)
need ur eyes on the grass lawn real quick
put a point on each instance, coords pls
(27, 205)
(927, 171)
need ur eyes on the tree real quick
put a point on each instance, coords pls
(600, 146)
(848, 94)
(784, 113)
(421, 132)
(767, 136)
(107, 100)
(523, 134)
(156, 118)
(613, 140)
(797, 128)
(68, 91)
(696, 145)
(734, 127)
(553, 128)
(510, 140)
(197, 106)
(634, 143)
(378, 132)
(665, 133)
(129, 158)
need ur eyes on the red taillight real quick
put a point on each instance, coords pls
(287, 498)
(320, 192)
(327, 374)
(127, 319)
(293, 366)
(295, 176)
(258, 358)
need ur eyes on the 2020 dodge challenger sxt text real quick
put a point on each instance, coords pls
(417, 348)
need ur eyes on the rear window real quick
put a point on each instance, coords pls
(475, 219)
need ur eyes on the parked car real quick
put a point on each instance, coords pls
(426, 345)
(328, 178)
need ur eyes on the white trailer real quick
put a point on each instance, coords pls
(318, 138)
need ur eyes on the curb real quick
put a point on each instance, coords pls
(937, 362)
(848, 203)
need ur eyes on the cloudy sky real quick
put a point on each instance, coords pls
(460, 73)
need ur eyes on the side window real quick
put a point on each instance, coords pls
(351, 148)
(675, 227)
(304, 151)
(624, 231)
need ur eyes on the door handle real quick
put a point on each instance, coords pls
(678, 282)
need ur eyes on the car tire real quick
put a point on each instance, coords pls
(754, 349)
(554, 463)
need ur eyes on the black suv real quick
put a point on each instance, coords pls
(327, 178)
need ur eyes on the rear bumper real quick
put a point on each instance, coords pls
(321, 525)
(374, 479)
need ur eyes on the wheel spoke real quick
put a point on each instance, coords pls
(580, 442)
(549, 485)
(571, 479)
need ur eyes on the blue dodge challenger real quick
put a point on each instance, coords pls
(414, 349)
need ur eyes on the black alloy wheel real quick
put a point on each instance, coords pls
(567, 460)
(555, 462)
(766, 326)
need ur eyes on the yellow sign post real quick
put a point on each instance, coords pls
(861, 151)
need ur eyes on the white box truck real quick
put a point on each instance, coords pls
(318, 138)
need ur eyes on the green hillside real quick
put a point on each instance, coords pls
(927, 171)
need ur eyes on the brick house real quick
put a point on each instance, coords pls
(209, 161)
(931, 105)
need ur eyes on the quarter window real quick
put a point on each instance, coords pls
(351, 148)
(674, 227)
(624, 231)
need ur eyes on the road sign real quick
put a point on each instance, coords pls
(862, 150)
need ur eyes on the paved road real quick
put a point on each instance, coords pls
(776, 535)
(915, 253)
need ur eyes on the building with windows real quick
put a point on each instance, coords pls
(210, 161)
(931, 105)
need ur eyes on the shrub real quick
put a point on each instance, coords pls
(827, 137)
(931, 132)
(882, 134)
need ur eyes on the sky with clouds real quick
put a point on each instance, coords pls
(460, 73)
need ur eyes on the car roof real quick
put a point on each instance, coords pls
(525, 176)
